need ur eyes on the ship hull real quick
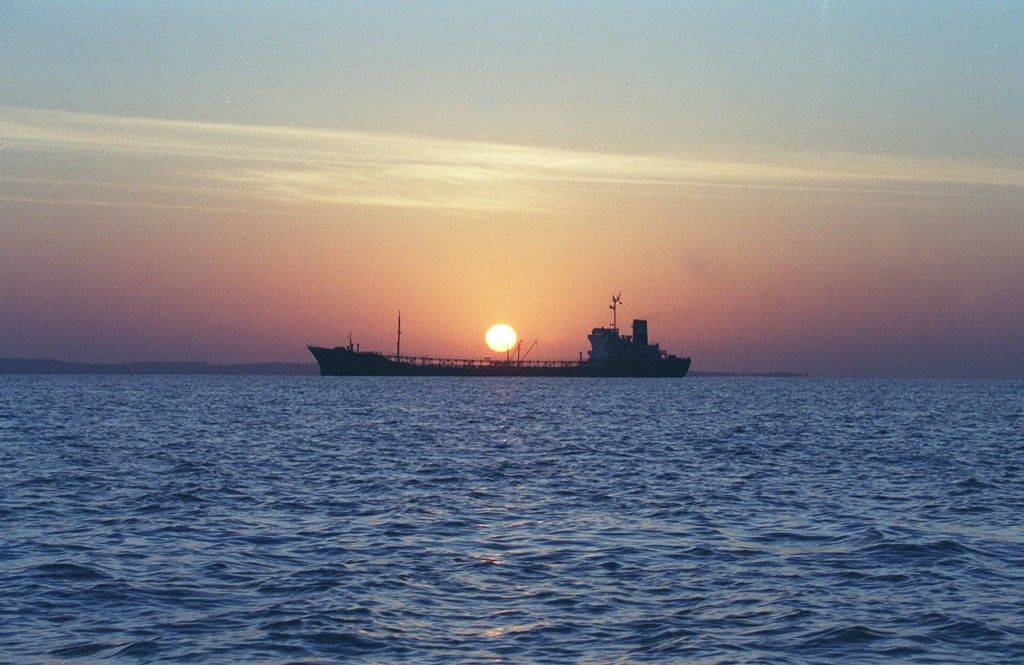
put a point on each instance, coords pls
(342, 361)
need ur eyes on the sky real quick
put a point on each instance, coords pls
(832, 188)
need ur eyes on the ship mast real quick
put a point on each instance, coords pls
(616, 301)
(398, 346)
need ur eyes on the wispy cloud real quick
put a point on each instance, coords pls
(225, 166)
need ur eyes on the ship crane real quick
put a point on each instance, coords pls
(519, 348)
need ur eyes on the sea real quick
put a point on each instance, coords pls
(184, 519)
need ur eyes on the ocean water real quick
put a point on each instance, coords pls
(309, 519)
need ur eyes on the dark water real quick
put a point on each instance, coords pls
(149, 519)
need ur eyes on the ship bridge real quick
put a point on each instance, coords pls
(607, 345)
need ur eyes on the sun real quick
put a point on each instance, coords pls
(501, 337)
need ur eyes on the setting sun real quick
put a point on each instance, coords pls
(500, 337)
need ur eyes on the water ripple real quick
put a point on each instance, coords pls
(308, 519)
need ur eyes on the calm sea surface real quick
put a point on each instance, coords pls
(309, 519)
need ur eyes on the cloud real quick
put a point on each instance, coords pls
(210, 165)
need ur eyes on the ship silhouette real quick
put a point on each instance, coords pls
(611, 355)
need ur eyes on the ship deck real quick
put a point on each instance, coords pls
(432, 361)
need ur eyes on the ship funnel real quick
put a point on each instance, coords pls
(640, 332)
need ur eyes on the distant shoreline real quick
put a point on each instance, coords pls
(49, 366)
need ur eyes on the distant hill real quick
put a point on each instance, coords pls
(47, 366)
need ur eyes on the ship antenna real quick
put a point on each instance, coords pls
(616, 301)
(398, 346)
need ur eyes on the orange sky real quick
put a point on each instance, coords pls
(862, 277)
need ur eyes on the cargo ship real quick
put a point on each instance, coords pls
(611, 354)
